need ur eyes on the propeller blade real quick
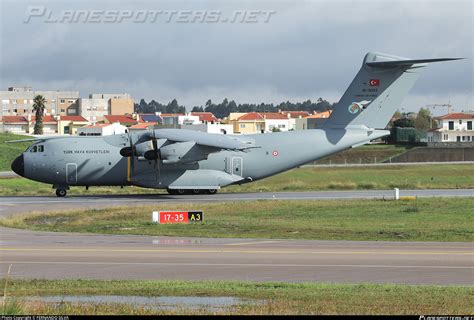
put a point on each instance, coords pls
(132, 155)
(157, 165)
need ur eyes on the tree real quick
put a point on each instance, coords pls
(404, 123)
(38, 107)
(423, 119)
(197, 109)
(223, 109)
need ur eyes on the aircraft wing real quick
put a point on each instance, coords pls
(183, 146)
(213, 140)
(36, 139)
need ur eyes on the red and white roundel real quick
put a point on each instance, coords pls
(275, 153)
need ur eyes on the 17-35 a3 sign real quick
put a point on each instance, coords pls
(170, 217)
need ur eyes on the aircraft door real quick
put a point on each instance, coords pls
(237, 165)
(71, 173)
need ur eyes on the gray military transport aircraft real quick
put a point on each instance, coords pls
(185, 161)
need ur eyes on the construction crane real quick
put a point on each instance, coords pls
(448, 105)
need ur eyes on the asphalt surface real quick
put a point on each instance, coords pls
(68, 255)
(15, 205)
(60, 256)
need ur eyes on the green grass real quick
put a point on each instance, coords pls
(440, 176)
(10, 151)
(434, 219)
(275, 297)
(421, 176)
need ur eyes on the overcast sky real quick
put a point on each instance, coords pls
(306, 49)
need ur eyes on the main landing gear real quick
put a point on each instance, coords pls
(191, 191)
(61, 191)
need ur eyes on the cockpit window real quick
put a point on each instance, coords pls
(37, 148)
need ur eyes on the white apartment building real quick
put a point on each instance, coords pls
(102, 129)
(98, 105)
(93, 109)
(178, 119)
(211, 128)
(18, 101)
(453, 127)
(276, 121)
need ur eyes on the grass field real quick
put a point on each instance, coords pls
(8, 152)
(436, 219)
(367, 177)
(438, 176)
(273, 298)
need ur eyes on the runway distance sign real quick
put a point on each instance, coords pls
(174, 217)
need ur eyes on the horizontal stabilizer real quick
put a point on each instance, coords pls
(396, 63)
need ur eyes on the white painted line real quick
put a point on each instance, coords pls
(237, 264)
(250, 243)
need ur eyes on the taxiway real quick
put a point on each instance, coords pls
(85, 256)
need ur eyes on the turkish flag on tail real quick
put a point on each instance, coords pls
(374, 82)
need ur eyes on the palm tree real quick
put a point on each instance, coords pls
(38, 106)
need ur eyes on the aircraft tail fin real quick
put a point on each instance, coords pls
(377, 91)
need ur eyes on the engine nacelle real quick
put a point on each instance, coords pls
(181, 152)
(146, 150)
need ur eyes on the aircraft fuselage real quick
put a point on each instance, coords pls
(96, 161)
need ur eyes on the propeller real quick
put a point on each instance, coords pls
(129, 152)
(156, 156)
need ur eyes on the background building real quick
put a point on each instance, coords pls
(19, 101)
(211, 128)
(275, 121)
(293, 117)
(26, 124)
(127, 120)
(93, 110)
(453, 127)
(70, 124)
(312, 121)
(98, 105)
(102, 129)
(175, 119)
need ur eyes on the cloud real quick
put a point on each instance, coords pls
(306, 50)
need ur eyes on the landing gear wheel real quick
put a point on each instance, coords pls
(196, 191)
(181, 191)
(212, 191)
(61, 192)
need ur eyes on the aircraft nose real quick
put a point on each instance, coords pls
(18, 166)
